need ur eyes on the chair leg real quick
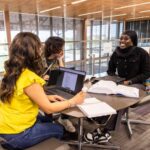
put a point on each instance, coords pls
(139, 122)
(130, 121)
(127, 121)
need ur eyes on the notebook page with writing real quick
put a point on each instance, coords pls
(93, 107)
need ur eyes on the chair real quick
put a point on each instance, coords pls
(129, 121)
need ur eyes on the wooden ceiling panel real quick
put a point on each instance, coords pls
(64, 8)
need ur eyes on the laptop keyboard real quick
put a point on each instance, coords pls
(59, 92)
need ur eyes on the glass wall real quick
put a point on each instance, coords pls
(142, 28)
(3, 43)
(90, 53)
(3, 38)
(15, 24)
(102, 38)
(57, 27)
(44, 27)
(69, 37)
(29, 23)
(78, 34)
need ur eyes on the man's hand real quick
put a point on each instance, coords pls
(127, 82)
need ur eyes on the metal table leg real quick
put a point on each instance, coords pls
(80, 133)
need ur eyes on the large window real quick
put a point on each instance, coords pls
(3, 38)
(78, 39)
(44, 27)
(105, 29)
(15, 24)
(3, 43)
(142, 28)
(113, 31)
(102, 38)
(69, 38)
(100, 34)
(121, 27)
(29, 23)
(96, 38)
(57, 26)
(148, 33)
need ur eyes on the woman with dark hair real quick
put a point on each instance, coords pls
(54, 55)
(129, 61)
(22, 94)
(133, 64)
(53, 51)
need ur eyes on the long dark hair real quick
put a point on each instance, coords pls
(24, 53)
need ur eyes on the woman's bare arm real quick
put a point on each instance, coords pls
(37, 94)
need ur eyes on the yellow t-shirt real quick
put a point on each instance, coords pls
(21, 113)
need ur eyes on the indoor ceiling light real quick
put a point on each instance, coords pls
(132, 5)
(95, 12)
(114, 15)
(58, 7)
(137, 17)
(77, 2)
(144, 11)
(91, 18)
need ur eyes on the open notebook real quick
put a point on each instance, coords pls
(110, 87)
(93, 107)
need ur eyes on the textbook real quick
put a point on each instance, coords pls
(110, 87)
(92, 107)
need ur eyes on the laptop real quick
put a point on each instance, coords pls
(54, 75)
(68, 82)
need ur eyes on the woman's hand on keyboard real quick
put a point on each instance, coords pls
(55, 98)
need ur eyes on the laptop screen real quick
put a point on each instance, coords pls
(70, 79)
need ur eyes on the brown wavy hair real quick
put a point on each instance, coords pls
(25, 51)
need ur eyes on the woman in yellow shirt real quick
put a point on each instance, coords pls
(22, 95)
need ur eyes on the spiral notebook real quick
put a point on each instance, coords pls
(93, 107)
